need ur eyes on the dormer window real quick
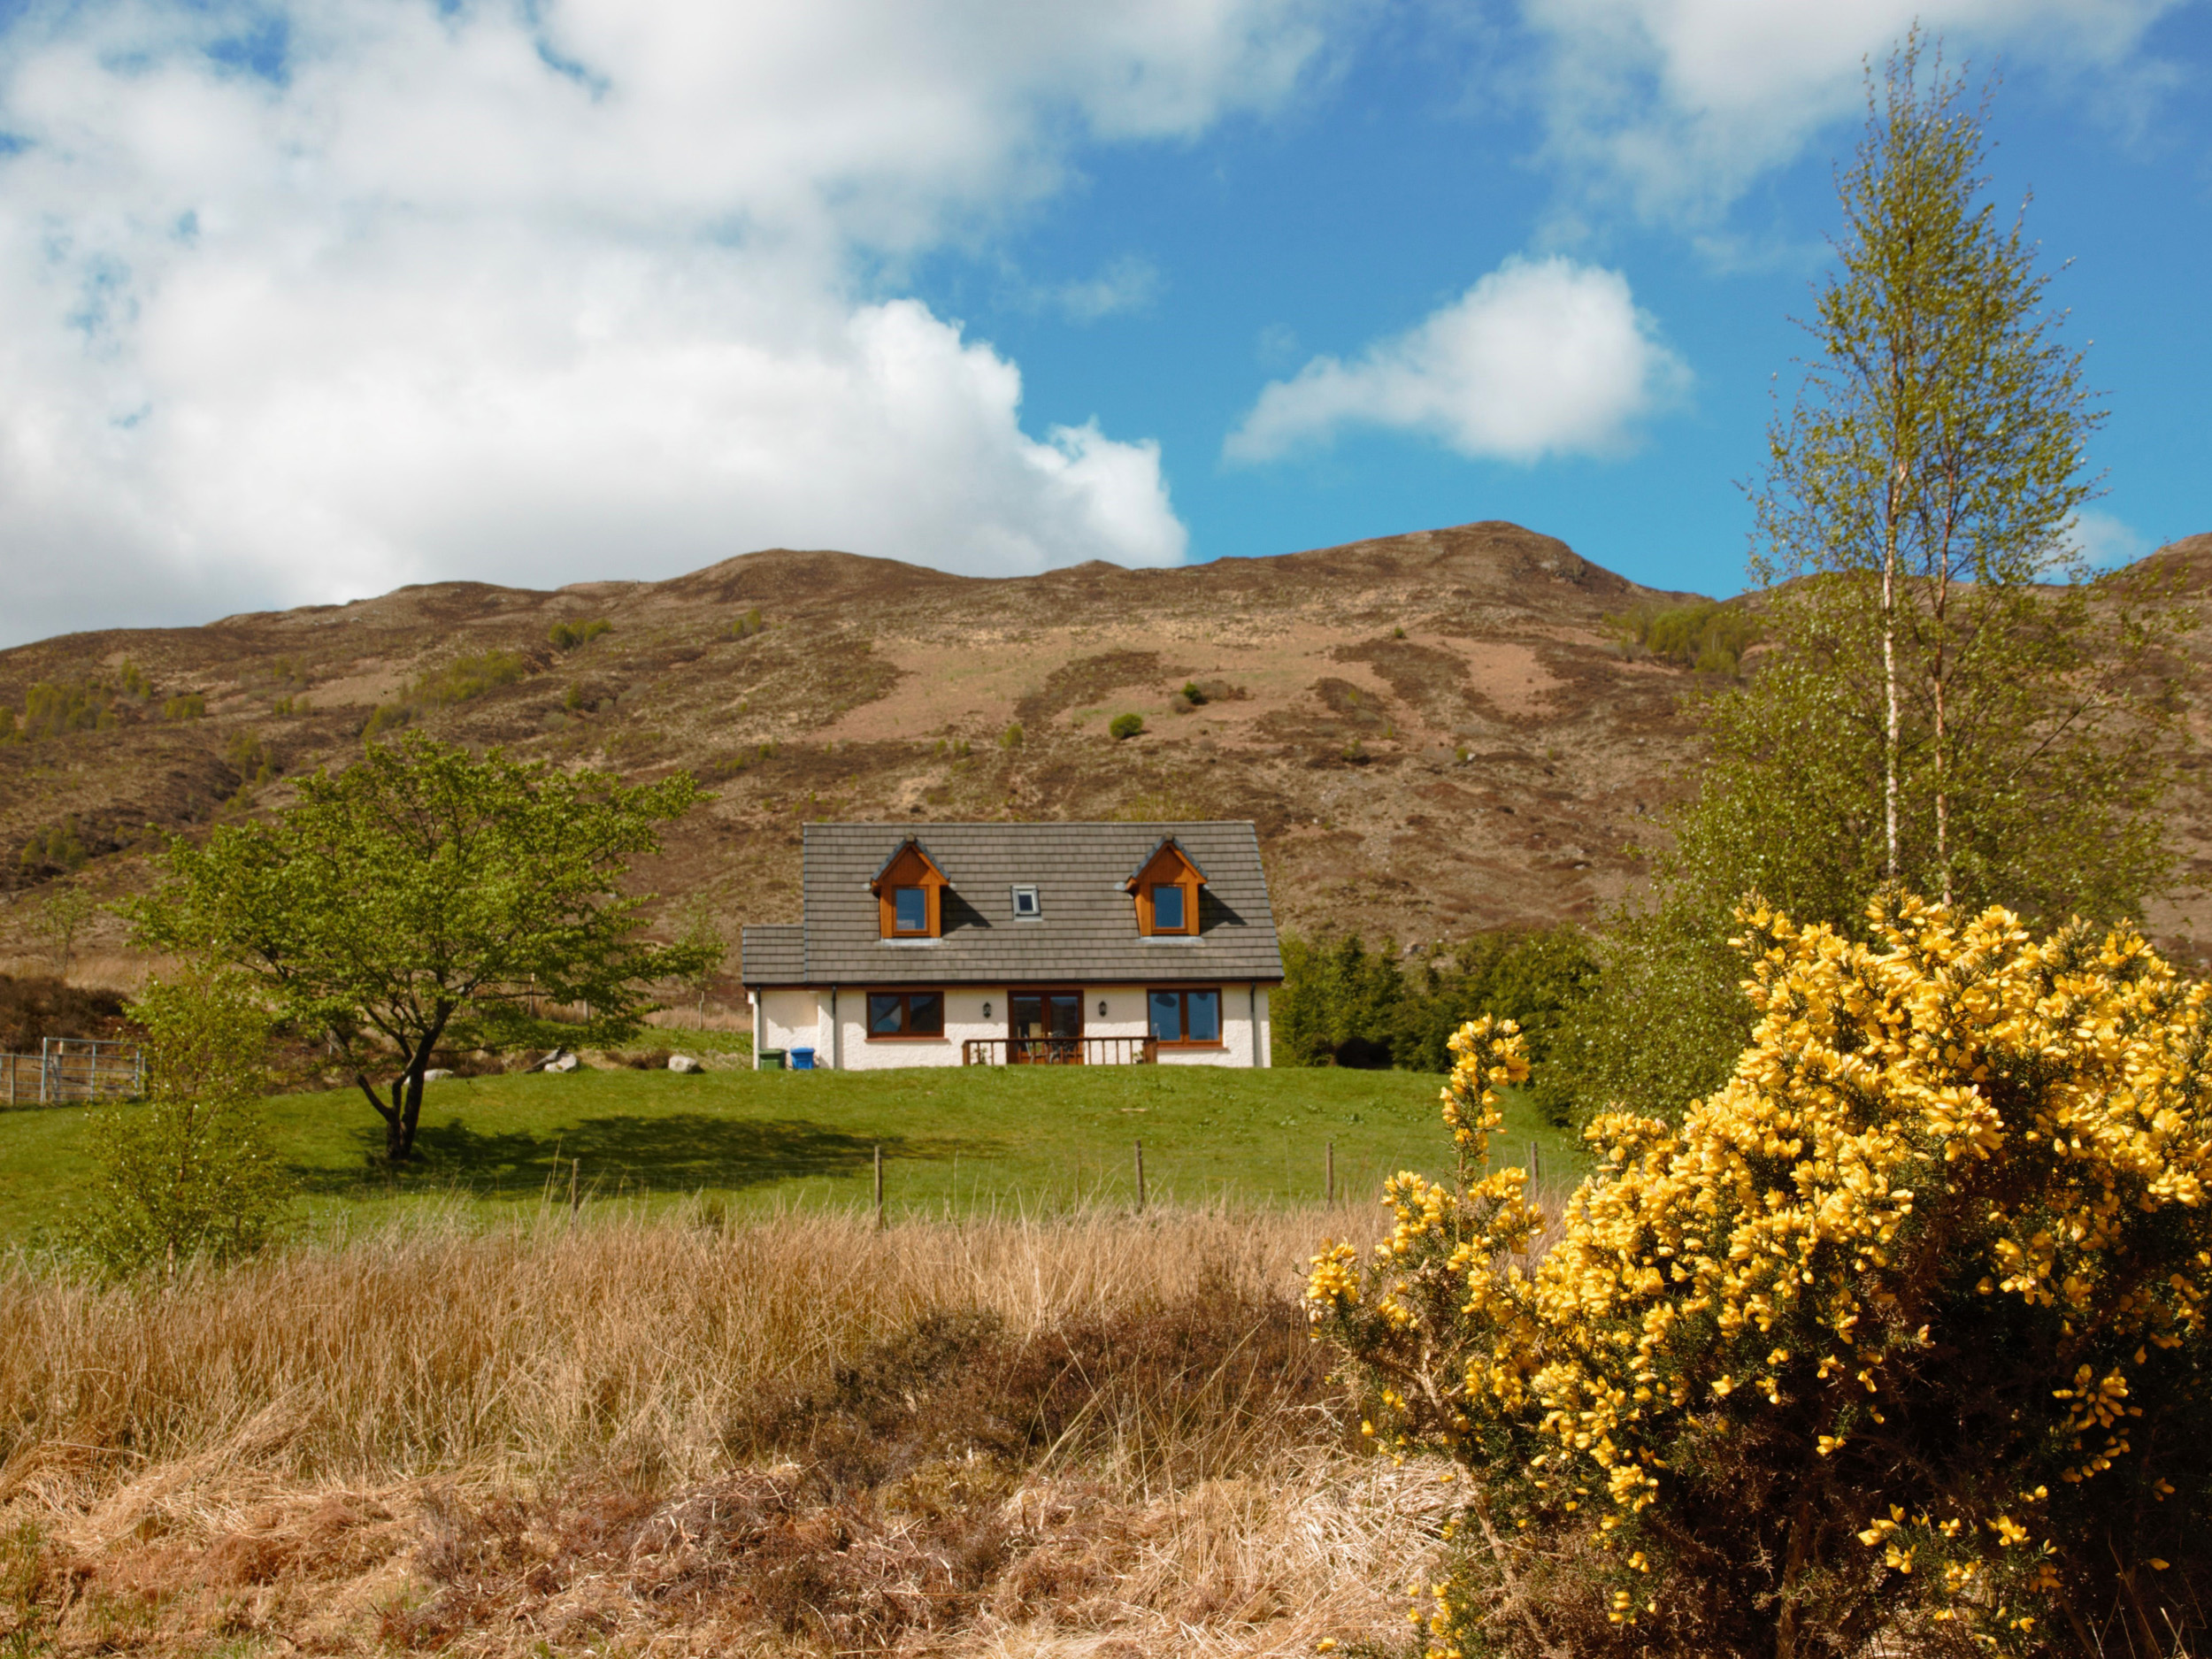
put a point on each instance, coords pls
(1167, 908)
(910, 894)
(1166, 887)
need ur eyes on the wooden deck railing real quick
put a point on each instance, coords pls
(1060, 1051)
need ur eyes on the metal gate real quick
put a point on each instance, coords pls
(71, 1070)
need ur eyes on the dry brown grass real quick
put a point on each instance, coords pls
(716, 1017)
(1103, 1435)
(123, 971)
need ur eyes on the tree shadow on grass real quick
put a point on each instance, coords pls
(680, 1152)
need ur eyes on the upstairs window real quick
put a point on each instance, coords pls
(1167, 909)
(910, 894)
(1165, 887)
(910, 910)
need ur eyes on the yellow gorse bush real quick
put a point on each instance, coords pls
(1904, 1327)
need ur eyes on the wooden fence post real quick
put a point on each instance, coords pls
(879, 1187)
(1141, 1177)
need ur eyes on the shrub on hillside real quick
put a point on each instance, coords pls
(385, 716)
(56, 847)
(467, 677)
(1709, 636)
(253, 760)
(1897, 1343)
(52, 709)
(566, 636)
(1124, 726)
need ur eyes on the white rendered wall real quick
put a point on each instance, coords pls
(791, 1019)
(1125, 1017)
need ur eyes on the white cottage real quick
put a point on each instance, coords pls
(996, 944)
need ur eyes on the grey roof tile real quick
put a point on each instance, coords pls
(772, 955)
(1086, 933)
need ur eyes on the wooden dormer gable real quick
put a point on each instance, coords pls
(909, 868)
(1166, 866)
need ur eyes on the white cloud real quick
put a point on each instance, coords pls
(2105, 542)
(1129, 284)
(1674, 107)
(1540, 358)
(541, 293)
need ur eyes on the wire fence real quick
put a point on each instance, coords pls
(71, 1071)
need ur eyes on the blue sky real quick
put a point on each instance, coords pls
(305, 301)
(1385, 198)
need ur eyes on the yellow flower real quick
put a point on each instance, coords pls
(1765, 1259)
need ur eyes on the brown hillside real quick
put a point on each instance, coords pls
(1432, 731)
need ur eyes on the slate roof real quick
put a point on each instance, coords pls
(772, 955)
(1086, 933)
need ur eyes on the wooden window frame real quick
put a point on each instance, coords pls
(910, 867)
(1168, 868)
(906, 1008)
(1188, 886)
(1184, 993)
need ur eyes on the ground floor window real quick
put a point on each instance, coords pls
(906, 1014)
(1186, 1017)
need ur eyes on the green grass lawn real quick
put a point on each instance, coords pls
(956, 1139)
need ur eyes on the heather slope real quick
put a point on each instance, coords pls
(1433, 732)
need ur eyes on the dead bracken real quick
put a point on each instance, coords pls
(803, 1437)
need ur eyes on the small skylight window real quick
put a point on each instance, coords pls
(1026, 907)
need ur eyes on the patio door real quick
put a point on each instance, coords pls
(1046, 1027)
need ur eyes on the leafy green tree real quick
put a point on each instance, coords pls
(708, 941)
(1343, 1004)
(1930, 474)
(1663, 1021)
(1338, 1004)
(62, 916)
(187, 1172)
(1945, 701)
(1534, 978)
(424, 896)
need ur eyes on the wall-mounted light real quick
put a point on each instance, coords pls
(987, 1010)
(1102, 1008)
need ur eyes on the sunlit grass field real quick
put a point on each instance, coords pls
(957, 1141)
